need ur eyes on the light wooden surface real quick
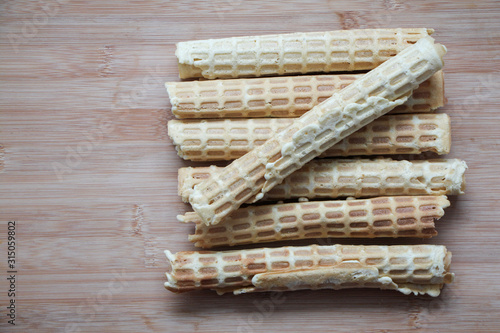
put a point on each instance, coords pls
(91, 240)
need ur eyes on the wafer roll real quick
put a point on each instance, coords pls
(371, 96)
(405, 216)
(287, 96)
(330, 51)
(360, 178)
(216, 140)
(418, 269)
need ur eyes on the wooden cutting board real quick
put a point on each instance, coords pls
(89, 175)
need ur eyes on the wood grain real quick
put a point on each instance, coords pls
(85, 90)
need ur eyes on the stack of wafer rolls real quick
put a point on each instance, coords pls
(283, 137)
(371, 96)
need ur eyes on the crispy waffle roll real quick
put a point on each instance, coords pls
(287, 96)
(405, 216)
(371, 96)
(418, 269)
(355, 177)
(330, 51)
(215, 140)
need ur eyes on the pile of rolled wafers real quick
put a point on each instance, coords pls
(307, 121)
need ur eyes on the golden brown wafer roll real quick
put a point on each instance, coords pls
(370, 97)
(288, 96)
(329, 51)
(216, 140)
(418, 269)
(405, 216)
(360, 178)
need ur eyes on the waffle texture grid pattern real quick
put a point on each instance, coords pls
(419, 269)
(287, 96)
(217, 140)
(405, 216)
(371, 96)
(359, 178)
(296, 53)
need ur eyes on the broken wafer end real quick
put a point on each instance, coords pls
(182, 175)
(169, 285)
(446, 136)
(187, 66)
(444, 202)
(169, 86)
(173, 135)
(460, 169)
(439, 49)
